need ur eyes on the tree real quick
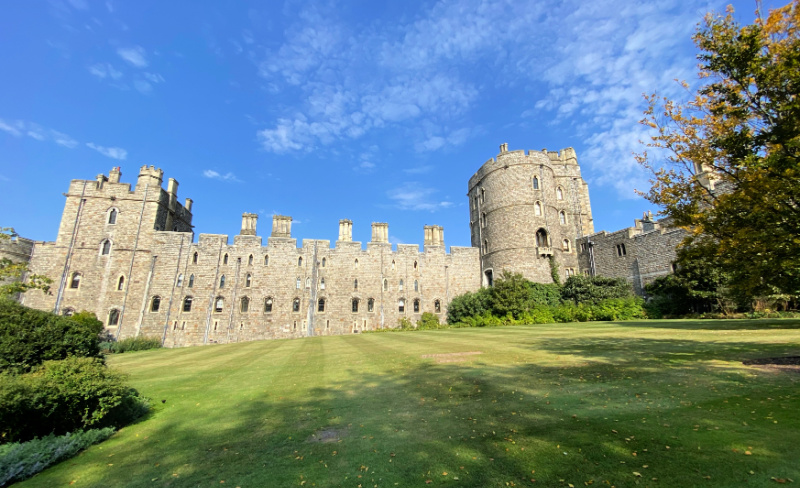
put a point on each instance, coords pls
(731, 174)
(11, 273)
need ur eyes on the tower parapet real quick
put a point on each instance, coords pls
(150, 176)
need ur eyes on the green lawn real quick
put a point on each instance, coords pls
(655, 403)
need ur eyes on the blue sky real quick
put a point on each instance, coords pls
(372, 111)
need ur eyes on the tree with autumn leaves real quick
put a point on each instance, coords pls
(725, 163)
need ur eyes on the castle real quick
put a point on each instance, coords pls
(129, 255)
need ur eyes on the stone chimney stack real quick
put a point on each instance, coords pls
(188, 205)
(346, 230)
(503, 147)
(434, 235)
(172, 188)
(101, 178)
(114, 175)
(380, 232)
(281, 226)
(249, 221)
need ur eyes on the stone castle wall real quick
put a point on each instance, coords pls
(640, 254)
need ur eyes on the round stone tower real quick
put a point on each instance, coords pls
(526, 212)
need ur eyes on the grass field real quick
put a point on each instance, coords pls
(655, 403)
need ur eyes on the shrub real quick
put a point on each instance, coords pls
(64, 396)
(538, 315)
(594, 289)
(29, 337)
(20, 461)
(428, 321)
(468, 305)
(404, 323)
(130, 344)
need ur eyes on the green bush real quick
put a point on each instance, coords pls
(468, 305)
(581, 289)
(130, 344)
(19, 461)
(29, 337)
(65, 396)
(538, 315)
(428, 321)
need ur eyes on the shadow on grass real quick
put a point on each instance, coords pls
(715, 324)
(637, 417)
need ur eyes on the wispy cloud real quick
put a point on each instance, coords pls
(136, 56)
(412, 196)
(19, 128)
(111, 152)
(214, 175)
(104, 70)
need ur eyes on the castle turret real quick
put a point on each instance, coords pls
(346, 230)
(281, 226)
(380, 232)
(114, 175)
(150, 176)
(249, 221)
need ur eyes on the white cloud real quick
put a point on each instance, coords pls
(412, 196)
(154, 77)
(214, 175)
(35, 131)
(134, 55)
(364, 167)
(111, 152)
(143, 86)
(103, 70)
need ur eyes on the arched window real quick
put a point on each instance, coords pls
(401, 305)
(415, 265)
(386, 285)
(483, 195)
(371, 305)
(187, 304)
(559, 193)
(245, 304)
(437, 306)
(323, 262)
(296, 305)
(121, 283)
(250, 260)
(219, 304)
(268, 304)
(266, 260)
(485, 246)
(321, 305)
(105, 249)
(180, 281)
(112, 216)
(113, 317)
(535, 182)
(191, 281)
(300, 261)
(75, 282)
(308, 282)
(355, 284)
(155, 303)
(194, 258)
(222, 281)
(565, 245)
(322, 283)
(416, 285)
(355, 263)
(562, 217)
(401, 286)
(393, 266)
(225, 259)
(354, 305)
(416, 305)
(537, 209)
(247, 280)
(298, 283)
(541, 238)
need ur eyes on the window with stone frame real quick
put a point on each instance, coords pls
(222, 281)
(225, 259)
(355, 284)
(191, 281)
(121, 283)
(559, 193)
(155, 303)
(400, 288)
(371, 305)
(194, 258)
(354, 305)
(75, 282)
(298, 283)
(244, 305)
(562, 217)
(187, 304)
(268, 304)
(437, 306)
(416, 285)
(250, 260)
(322, 283)
(537, 209)
(248, 279)
(112, 216)
(321, 305)
(621, 252)
(535, 182)
(565, 245)
(385, 285)
(324, 262)
(266, 260)
(105, 248)
(401, 305)
(416, 305)
(300, 261)
(113, 317)
(296, 305)
(179, 282)
(219, 304)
